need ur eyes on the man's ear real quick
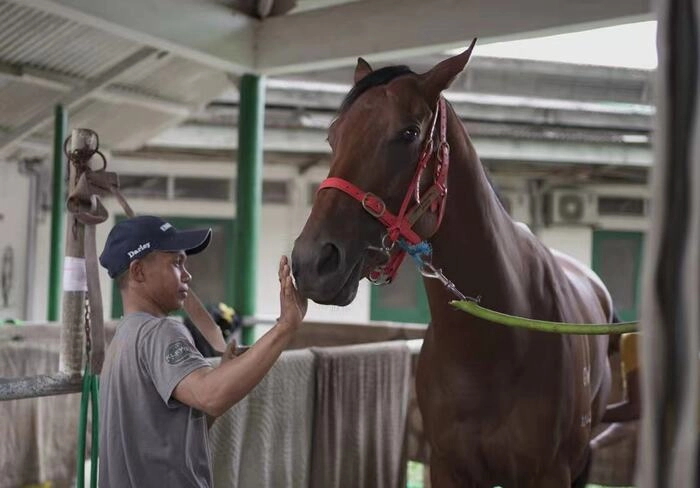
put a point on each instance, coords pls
(136, 271)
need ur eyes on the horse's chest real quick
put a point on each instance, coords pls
(509, 419)
(493, 443)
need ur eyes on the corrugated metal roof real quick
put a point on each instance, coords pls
(65, 53)
(29, 37)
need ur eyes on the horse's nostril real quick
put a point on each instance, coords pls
(329, 259)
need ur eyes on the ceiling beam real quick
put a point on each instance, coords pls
(113, 93)
(312, 141)
(214, 34)
(385, 29)
(286, 107)
(203, 31)
(73, 97)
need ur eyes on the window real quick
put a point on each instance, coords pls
(143, 186)
(203, 188)
(621, 206)
(275, 191)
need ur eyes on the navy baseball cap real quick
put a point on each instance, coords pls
(136, 237)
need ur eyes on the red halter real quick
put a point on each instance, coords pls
(401, 225)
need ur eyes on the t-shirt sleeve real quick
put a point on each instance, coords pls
(168, 354)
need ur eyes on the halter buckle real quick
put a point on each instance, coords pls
(370, 210)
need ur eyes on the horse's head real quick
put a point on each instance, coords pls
(385, 132)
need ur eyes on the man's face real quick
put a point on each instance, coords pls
(166, 279)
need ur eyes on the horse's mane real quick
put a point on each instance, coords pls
(379, 77)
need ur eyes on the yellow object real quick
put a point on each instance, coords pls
(629, 356)
(227, 312)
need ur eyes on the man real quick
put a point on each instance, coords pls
(156, 388)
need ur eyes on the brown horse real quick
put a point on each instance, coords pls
(501, 406)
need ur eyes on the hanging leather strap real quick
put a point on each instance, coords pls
(87, 208)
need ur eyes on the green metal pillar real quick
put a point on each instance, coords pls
(248, 197)
(58, 188)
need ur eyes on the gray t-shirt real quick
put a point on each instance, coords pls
(147, 437)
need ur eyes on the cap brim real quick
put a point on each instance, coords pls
(190, 241)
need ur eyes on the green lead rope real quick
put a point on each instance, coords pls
(473, 308)
(91, 390)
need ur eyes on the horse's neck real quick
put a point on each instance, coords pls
(477, 246)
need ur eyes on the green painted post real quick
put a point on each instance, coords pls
(58, 188)
(248, 197)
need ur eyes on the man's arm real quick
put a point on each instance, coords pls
(215, 390)
(228, 355)
(204, 322)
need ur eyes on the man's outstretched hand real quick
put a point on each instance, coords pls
(292, 305)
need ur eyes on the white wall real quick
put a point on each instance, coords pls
(280, 226)
(42, 262)
(577, 242)
(14, 208)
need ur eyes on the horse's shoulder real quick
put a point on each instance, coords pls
(581, 277)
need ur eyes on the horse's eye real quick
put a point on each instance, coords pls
(410, 134)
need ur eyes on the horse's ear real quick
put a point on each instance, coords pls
(362, 69)
(443, 74)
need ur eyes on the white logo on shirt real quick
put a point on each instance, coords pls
(165, 226)
(177, 352)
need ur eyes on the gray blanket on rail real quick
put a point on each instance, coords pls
(38, 435)
(361, 402)
(264, 441)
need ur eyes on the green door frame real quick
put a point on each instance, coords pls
(638, 238)
(419, 314)
(181, 222)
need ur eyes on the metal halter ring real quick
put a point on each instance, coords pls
(387, 247)
(380, 278)
(374, 214)
(70, 156)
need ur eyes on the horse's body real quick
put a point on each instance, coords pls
(501, 406)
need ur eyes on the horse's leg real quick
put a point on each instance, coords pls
(442, 476)
(600, 377)
(557, 477)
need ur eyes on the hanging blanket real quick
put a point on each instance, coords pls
(362, 397)
(264, 441)
(39, 435)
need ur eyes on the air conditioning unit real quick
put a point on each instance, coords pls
(572, 207)
(517, 204)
